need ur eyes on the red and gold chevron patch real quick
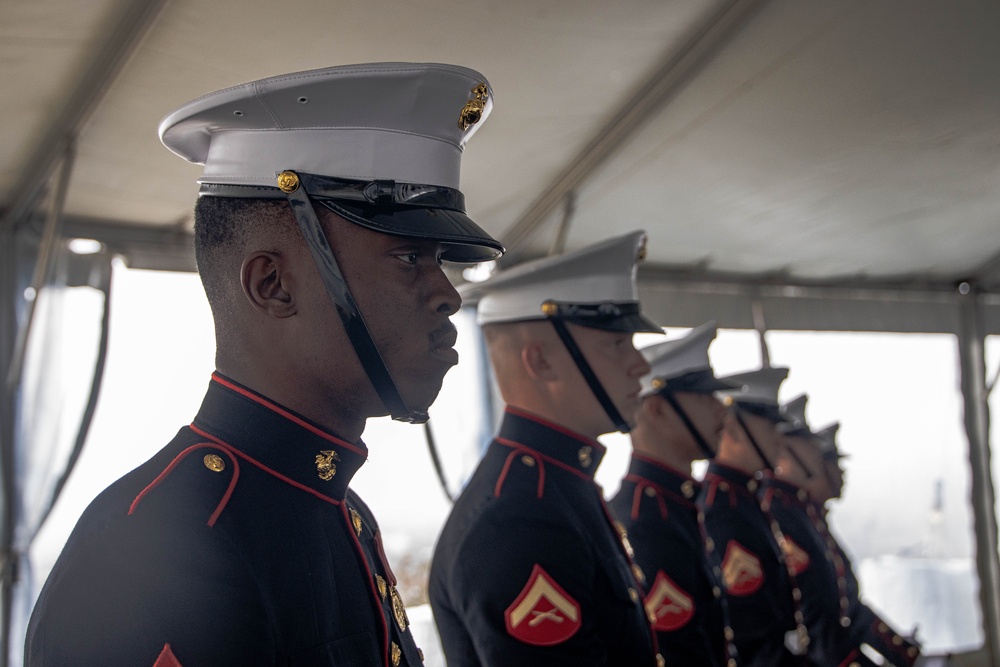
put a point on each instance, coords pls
(543, 614)
(668, 606)
(741, 570)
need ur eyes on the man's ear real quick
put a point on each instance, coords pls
(266, 282)
(653, 407)
(536, 361)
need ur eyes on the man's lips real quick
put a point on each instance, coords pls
(443, 342)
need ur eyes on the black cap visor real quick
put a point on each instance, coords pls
(697, 382)
(609, 316)
(464, 241)
(765, 410)
(427, 212)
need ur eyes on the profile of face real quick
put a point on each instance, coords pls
(764, 432)
(707, 414)
(798, 463)
(835, 473)
(617, 365)
(406, 302)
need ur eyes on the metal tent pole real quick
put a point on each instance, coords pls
(977, 423)
(8, 332)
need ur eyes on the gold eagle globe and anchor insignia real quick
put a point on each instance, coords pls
(473, 110)
(325, 466)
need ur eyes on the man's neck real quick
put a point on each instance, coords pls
(739, 457)
(662, 448)
(337, 417)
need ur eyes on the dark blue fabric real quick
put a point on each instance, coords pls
(656, 506)
(761, 619)
(500, 529)
(282, 578)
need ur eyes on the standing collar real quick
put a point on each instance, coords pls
(737, 478)
(789, 492)
(650, 470)
(277, 440)
(580, 454)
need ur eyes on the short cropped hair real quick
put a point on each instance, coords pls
(225, 228)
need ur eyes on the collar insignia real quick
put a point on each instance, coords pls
(325, 466)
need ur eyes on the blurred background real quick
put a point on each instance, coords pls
(822, 179)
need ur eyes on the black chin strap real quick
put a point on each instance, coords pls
(801, 463)
(344, 303)
(589, 376)
(753, 441)
(688, 424)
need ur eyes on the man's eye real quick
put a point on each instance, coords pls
(410, 257)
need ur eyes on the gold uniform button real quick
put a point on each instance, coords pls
(729, 634)
(796, 594)
(398, 610)
(882, 627)
(845, 622)
(716, 591)
(687, 488)
(395, 653)
(650, 491)
(660, 662)
(731, 662)
(912, 652)
(288, 181)
(382, 588)
(214, 462)
(709, 544)
(356, 521)
(639, 575)
(855, 664)
(897, 640)
(752, 485)
(420, 652)
(528, 461)
(723, 486)
(633, 594)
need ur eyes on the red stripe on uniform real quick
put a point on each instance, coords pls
(173, 464)
(287, 415)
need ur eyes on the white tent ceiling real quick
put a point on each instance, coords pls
(836, 144)
(814, 164)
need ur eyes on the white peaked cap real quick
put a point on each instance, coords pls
(758, 389)
(392, 121)
(600, 277)
(680, 357)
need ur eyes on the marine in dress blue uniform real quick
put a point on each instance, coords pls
(240, 542)
(818, 569)
(529, 568)
(680, 422)
(762, 593)
(869, 633)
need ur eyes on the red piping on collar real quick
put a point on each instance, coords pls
(555, 427)
(274, 407)
(660, 464)
(263, 467)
